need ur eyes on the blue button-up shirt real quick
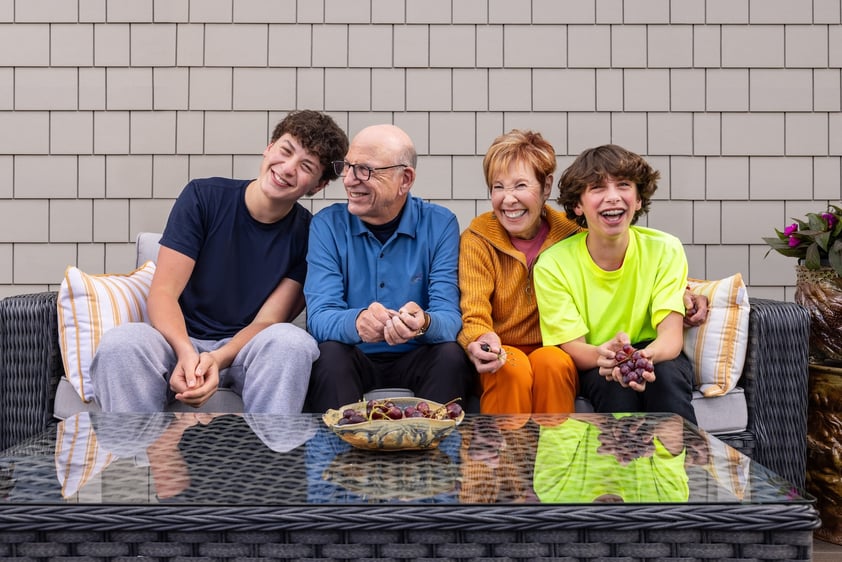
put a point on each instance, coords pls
(348, 269)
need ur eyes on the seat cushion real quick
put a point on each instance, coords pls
(721, 414)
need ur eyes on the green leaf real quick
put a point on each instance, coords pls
(823, 240)
(782, 247)
(834, 256)
(816, 222)
(801, 224)
(813, 259)
(774, 242)
(781, 235)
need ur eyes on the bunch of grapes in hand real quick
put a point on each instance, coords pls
(632, 364)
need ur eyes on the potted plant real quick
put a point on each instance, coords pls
(817, 244)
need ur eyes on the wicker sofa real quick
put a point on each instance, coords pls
(774, 379)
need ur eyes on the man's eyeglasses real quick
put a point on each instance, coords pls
(361, 171)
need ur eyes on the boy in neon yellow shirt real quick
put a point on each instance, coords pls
(616, 284)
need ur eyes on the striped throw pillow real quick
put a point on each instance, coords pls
(717, 348)
(88, 305)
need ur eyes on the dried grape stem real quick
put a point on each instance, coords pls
(444, 406)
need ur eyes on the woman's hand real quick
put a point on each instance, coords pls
(487, 353)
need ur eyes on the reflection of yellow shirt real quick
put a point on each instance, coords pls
(568, 469)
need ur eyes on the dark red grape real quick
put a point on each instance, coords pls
(454, 410)
(632, 364)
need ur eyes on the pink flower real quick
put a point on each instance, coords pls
(830, 219)
(790, 229)
(793, 241)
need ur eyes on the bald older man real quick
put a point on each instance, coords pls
(382, 290)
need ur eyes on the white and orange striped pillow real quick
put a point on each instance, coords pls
(717, 348)
(88, 305)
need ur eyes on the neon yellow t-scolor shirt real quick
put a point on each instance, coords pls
(569, 469)
(577, 298)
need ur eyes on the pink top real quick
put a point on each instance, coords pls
(530, 247)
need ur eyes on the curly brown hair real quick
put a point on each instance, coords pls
(318, 133)
(595, 165)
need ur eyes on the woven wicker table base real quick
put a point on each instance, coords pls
(409, 545)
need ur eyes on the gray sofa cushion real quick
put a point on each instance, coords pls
(147, 247)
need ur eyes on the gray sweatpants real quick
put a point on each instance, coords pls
(133, 363)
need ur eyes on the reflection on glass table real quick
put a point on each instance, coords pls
(243, 459)
(621, 458)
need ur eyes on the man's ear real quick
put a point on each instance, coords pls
(407, 179)
(318, 187)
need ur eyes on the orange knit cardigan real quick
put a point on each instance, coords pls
(495, 283)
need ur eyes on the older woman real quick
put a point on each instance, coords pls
(500, 329)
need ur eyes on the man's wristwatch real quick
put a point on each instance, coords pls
(423, 329)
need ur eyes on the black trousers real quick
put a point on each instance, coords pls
(343, 373)
(672, 390)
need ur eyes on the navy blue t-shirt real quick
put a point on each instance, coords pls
(239, 261)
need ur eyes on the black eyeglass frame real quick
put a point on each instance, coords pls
(339, 167)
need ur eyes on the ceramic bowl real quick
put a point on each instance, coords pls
(396, 435)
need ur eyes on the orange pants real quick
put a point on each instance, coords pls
(533, 380)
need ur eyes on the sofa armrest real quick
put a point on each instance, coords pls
(775, 382)
(30, 365)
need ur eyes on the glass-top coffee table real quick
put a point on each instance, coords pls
(228, 486)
